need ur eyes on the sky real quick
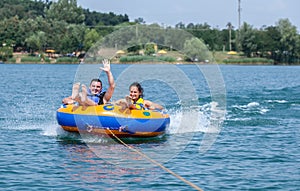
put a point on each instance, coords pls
(216, 13)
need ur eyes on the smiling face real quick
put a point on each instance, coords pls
(134, 93)
(95, 87)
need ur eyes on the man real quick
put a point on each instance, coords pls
(94, 95)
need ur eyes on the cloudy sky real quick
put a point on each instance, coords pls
(216, 13)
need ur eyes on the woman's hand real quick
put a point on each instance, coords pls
(128, 101)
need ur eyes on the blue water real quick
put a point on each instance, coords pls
(255, 147)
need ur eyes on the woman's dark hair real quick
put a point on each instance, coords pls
(139, 87)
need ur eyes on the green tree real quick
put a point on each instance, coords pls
(66, 10)
(36, 41)
(22, 8)
(149, 48)
(211, 37)
(95, 18)
(72, 39)
(30, 26)
(268, 43)
(288, 41)
(90, 38)
(230, 27)
(56, 34)
(139, 21)
(5, 53)
(196, 50)
(247, 39)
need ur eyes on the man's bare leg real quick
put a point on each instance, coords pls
(83, 93)
(75, 90)
(84, 99)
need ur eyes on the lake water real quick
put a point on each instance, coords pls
(252, 145)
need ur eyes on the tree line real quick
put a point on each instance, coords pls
(37, 25)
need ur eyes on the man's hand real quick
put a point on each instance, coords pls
(106, 65)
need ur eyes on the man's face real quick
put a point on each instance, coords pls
(95, 87)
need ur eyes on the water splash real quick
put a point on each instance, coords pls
(208, 116)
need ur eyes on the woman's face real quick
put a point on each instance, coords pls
(134, 93)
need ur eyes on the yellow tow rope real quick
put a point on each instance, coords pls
(155, 162)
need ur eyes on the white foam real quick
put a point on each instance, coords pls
(250, 105)
(23, 127)
(240, 119)
(207, 118)
(52, 130)
(263, 111)
(187, 121)
(278, 101)
(253, 104)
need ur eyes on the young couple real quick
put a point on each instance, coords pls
(94, 95)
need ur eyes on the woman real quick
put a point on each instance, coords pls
(135, 99)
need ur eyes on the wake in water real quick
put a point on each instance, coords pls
(265, 109)
(185, 120)
(197, 119)
(252, 107)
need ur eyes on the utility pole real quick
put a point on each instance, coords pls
(239, 10)
(239, 29)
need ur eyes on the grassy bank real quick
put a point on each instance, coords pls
(23, 58)
(169, 57)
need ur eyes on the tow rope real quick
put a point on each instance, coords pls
(155, 162)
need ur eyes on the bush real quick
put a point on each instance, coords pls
(11, 60)
(6, 53)
(46, 59)
(167, 59)
(129, 59)
(31, 59)
(248, 61)
(67, 60)
(90, 60)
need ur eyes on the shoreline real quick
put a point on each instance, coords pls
(220, 58)
(177, 63)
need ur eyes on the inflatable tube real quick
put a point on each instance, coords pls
(108, 119)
